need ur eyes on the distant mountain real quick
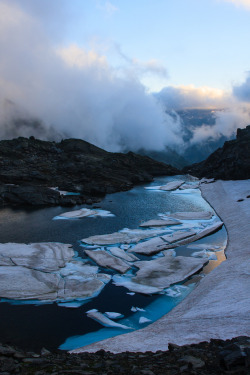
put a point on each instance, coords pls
(231, 162)
(168, 156)
(189, 153)
(195, 118)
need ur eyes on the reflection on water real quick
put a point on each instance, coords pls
(33, 327)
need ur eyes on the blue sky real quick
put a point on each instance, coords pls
(199, 42)
(89, 68)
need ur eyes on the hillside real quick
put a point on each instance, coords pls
(231, 162)
(29, 167)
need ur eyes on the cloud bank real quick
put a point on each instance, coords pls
(75, 90)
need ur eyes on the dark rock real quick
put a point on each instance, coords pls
(29, 167)
(216, 357)
(231, 162)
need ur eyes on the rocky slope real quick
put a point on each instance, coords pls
(215, 358)
(231, 162)
(29, 167)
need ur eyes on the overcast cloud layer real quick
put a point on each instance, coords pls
(76, 92)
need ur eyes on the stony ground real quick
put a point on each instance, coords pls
(215, 357)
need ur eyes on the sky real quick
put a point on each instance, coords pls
(106, 71)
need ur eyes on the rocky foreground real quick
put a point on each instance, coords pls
(30, 167)
(213, 358)
(231, 162)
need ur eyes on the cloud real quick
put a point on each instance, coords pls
(240, 3)
(137, 68)
(108, 8)
(74, 90)
(242, 92)
(226, 124)
(228, 113)
(183, 97)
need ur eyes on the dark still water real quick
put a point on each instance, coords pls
(49, 325)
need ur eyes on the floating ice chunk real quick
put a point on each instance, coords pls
(134, 287)
(125, 247)
(83, 212)
(143, 320)
(71, 305)
(78, 214)
(159, 223)
(130, 293)
(105, 321)
(162, 272)
(78, 268)
(134, 309)
(203, 233)
(47, 256)
(104, 213)
(152, 246)
(120, 253)
(172, 185)
(190, 186)
(104, 259)
(113, 315)
(22, 283)
(203, 215)
(178, 235)
(92, 310)
(46, 271)
(126, 236)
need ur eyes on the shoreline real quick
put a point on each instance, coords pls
(217, 308)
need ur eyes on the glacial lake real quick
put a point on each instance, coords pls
(33, 326)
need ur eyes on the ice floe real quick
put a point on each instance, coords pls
(47, 271)
(202, 233)
(104, 259)
(84, 212)
(120, 253)
(125, 236)
(172, 185)
(155, 245)
(189, 186)
(143, 320)
(128, 283)
(134, 309)
(113, 315)
(157, 274)
(167, 270)
(104, 320)
(152, 246)
(159, 223)
(48, 257)
(178, 235)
